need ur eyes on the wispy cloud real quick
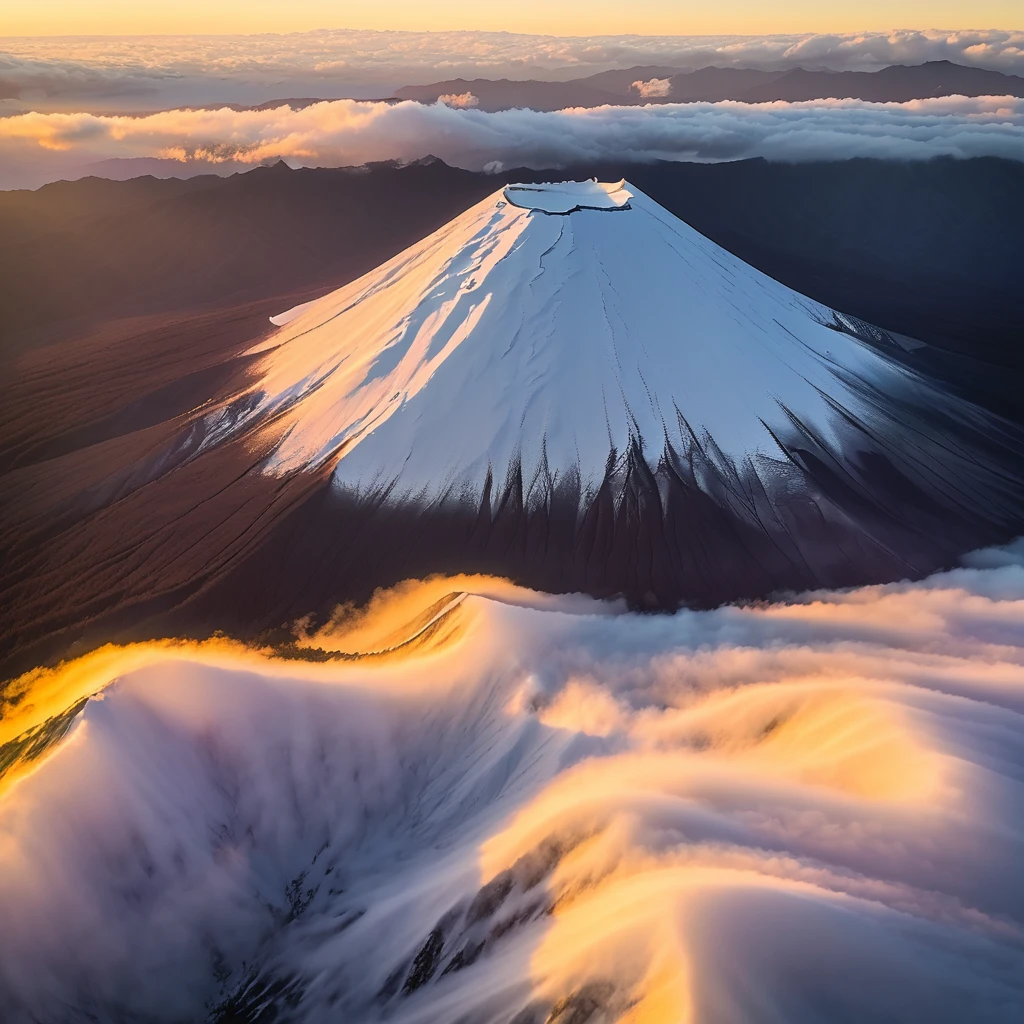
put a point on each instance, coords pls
(347, 132)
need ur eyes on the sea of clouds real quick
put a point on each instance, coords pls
(63, 101)
(139, 72)
(40, 147)
(795, 812)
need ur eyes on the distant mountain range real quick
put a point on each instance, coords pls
(656, 84)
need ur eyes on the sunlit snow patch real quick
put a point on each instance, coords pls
(290, 314)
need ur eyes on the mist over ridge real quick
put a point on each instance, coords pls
(43, 147)
(548, 804)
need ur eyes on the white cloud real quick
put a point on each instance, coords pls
(462, 100)
(654, 87)
(347, 132)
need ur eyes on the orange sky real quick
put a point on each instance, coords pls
(565, 17)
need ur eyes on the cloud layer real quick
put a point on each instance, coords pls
(136, 73)
(785, 814)
(348, 132)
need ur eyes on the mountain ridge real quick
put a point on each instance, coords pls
(896, 83)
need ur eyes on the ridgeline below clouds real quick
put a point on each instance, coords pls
(639, 85)
(38, 147)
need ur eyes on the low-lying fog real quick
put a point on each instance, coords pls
(530, 808)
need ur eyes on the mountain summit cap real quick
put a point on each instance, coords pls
(568, 196)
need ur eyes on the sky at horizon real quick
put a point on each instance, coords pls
(568, 17)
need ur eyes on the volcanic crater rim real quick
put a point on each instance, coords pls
(564, 197)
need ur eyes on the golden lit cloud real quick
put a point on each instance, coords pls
(556, 807)
(349, 132)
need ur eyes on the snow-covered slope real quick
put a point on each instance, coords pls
(551, 340)
(572, 364)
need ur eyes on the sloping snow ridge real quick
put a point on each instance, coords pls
(552, 340)
(573, 347)
(290, 314)
(782, 814)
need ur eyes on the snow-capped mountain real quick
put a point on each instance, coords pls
(565, 386)
(569, 386)
(468, 800)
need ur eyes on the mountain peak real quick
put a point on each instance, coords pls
(277, 167)
(609, 385)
